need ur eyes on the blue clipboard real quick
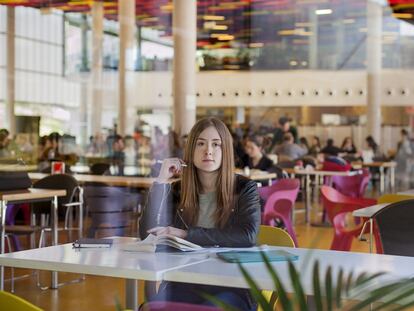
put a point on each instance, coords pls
(255, 256)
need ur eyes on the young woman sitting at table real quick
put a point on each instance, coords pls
(257, 159)
(210, 206)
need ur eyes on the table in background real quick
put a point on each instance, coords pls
(18, 168)
(381, 165)
(258, 175)
(128, 170)
(368, 212)
(23, 196)
(407, 192)
(318, 175)
(123, 181)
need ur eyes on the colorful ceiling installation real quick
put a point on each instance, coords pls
(403, 9)
(225, 23)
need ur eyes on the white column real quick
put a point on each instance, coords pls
(96, 70)
(340, 40)
(126, 19)
(185, 35)
(374, 64)
(10, 71)
(313, 39)
(84, 114)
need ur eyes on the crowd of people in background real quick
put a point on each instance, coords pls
(260, 147)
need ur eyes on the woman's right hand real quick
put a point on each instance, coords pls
(170, 167)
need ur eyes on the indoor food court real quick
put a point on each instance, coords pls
(206, 155)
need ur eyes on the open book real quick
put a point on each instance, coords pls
(151, 243)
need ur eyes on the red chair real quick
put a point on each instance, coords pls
(333, 166)
(338, 207)
(352, 186)
(279, 201)
(173, 306)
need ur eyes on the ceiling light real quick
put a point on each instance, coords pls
(213, 18)
(323, 12)
(220, 27)
(403, 15)
(348, 21)
(256, 45)
(225, 37)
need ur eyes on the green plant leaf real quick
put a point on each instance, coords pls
(328, 288)
(360, 278)
(377, 294)
(405, 291)
(281, 292)
(297, 286)
(349, 283)
(405, 306)
(317, 287)
(255, 290)
(339, 288)
(369, 278)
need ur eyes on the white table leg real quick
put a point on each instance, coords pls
(81, 213)
(371, 234)
(3, 206)
(55, 221)
(382, 179)
(131, 294)
(307, 199)
(392, 178)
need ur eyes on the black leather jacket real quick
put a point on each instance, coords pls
(162, 209)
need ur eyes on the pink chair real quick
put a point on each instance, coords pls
(352, 186)
(279, 200)
(173, 306)
(337, 207)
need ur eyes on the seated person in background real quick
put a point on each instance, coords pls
(330, 148)
(348, 146)
(240, 156)
(210, 206)
(288, 149)
(283, 128)
(315, 147)
(303, 142)
(377, 154)
(257, 159)
(348, 150)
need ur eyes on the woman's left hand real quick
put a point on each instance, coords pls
(168, 231)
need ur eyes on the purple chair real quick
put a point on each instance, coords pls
(173, 306)
(352, 186)
(279, 201)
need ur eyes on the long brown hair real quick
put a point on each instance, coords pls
(190, 184)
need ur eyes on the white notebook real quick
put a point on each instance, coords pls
(150, 244)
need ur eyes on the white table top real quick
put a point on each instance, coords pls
(408, 192)
(31, 194)
(217, 272)
(320, 172)
(111, 262)
(255, 174)
(123, 181)
(369, 211)
(203, 268)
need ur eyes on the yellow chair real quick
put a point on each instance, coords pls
(275, 237)
(392, 198)
(9, 301)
